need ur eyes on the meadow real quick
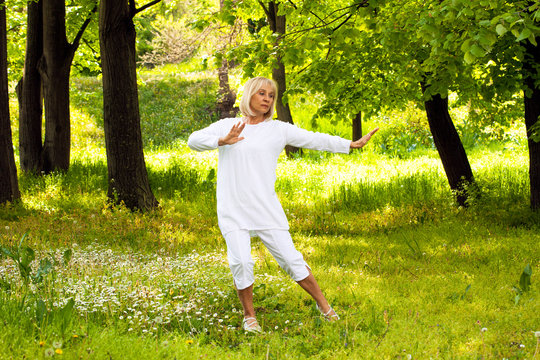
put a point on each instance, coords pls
(412, 275)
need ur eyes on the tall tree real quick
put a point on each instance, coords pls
(501, 40)
(29, 93)
(449, 146)
(227, 97)
(128, 179)
(278, 25)
(357, 126)
(531, 95)
(9, 188)
(55, 68)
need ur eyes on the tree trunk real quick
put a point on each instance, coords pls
(29, 93)
(357, 126)
(55, 67)
(227, 97)
(454, 159)
(128, 179)
(532, 112)
(278, 26)
(9, 188)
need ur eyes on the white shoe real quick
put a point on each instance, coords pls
(330, 315)
(251, 325)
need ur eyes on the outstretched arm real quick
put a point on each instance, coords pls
(363, 140)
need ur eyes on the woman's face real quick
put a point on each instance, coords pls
(261, 102)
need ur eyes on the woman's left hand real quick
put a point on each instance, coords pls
(363, 140)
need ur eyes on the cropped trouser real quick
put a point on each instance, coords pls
(280, 245)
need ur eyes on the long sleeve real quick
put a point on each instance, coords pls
(207, 138)
(302, 138)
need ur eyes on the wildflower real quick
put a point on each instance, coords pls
(75, 336)
(57, 344)
(41, 343)
(484, 329)
(49, 352)
(537, 334)
(7, 227)
(189, 341)
(58, 351)
(522, 346)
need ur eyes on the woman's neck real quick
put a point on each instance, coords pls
(252, 120)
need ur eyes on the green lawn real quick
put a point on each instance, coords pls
(412, 275)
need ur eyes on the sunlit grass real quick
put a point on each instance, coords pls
(411, 274)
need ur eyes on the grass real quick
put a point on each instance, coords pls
(411, 274)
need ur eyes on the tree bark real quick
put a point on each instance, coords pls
(357, 126)
(227, 97)
(128, 179)
(532, 112)
(55, 67)
(29, 93)
(446, 138)
(9, 188)
(278, 26)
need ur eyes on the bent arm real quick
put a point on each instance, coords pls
(205, 139)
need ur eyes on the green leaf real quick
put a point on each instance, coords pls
(66, 258)
(466, 291)
(44, 268)
(532, 39)
(9, 253)
(524, 34)
(27, 255)
(525, 279)
(41, 311)
(500, 29)
(477, 51)
(469, 58)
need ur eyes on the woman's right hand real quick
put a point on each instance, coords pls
(233, 136)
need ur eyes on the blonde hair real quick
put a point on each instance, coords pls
(250, 88)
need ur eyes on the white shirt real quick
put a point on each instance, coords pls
(246, 197)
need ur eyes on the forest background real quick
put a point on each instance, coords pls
(426, 241)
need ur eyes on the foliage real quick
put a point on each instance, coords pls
(171, 106)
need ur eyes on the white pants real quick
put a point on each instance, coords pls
(280, 245)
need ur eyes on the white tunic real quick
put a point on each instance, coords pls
(246, 197)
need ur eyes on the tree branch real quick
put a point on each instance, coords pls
(144, 7)
(266, 10)
(77, 39)
(362, 4)
(132, 10)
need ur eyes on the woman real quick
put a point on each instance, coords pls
(247, 204)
